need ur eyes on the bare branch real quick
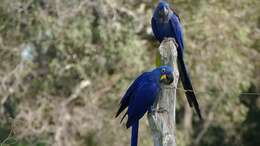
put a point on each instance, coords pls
(162, 122)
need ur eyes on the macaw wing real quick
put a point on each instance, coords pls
(130, 91)
(155, 29)
(143, 98)
(177, 30)
(176, 14)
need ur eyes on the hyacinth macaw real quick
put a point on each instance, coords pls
(166, 24)
(141, 95)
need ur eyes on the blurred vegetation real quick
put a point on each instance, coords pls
(65, 65)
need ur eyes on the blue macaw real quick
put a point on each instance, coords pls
(141, 95)
(165, 24)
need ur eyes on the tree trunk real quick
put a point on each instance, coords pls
(162, 121)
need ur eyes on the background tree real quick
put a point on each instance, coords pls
(65, 64)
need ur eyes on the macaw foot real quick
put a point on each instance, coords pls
(171, 39)
(161, 110)
(154, 110)
(151, 110)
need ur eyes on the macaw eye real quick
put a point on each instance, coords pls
(163, 70)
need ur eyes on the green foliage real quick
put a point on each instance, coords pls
(86, 53)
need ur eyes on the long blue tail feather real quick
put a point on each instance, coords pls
(186, 83)
(134, 137)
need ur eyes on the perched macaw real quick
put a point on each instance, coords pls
(141, 95)
(166, 24)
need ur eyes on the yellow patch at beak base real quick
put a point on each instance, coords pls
(163, 77)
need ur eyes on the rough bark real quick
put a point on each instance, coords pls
(162, 121)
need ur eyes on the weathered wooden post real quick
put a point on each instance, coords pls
(162, 121)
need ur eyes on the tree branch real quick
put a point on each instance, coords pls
(162, 122)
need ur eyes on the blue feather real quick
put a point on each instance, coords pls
(126, 98)
(134, 137)
(140, 96)
(166, 23)
(143, 98)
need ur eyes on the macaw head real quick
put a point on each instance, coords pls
(164, 74)
(162, 10)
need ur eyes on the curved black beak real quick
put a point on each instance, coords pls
(166, 78)
(163, 13)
